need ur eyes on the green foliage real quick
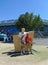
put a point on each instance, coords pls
(37, 23)
(29, 22)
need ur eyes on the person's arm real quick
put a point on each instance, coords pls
(30, 40)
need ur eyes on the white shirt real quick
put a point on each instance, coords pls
(20, 35)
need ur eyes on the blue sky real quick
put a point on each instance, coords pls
(11, 9)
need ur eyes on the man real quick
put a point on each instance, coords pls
(22, 38)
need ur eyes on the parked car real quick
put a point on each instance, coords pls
(3, 37)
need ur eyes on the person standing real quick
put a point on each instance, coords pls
(22, 38)
(28, 40)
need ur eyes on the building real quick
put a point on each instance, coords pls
(8, 25)
(45, 22)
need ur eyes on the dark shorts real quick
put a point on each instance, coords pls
(22, 44)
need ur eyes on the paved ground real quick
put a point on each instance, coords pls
(41, 41)
(7, 59)
(45, 62)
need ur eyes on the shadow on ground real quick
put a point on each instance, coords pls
(14, 54)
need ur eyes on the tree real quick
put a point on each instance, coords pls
(29, 22)
(24, 21)
(20, 23)
(38, 23)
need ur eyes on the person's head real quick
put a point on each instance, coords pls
(27, 34)
(2, 31)
(23, 30)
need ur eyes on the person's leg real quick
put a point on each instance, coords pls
(31, 48)
(21, 49)
(4, 39)
(28, 48)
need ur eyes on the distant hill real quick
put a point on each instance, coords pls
(7, 22)
(11, 22)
